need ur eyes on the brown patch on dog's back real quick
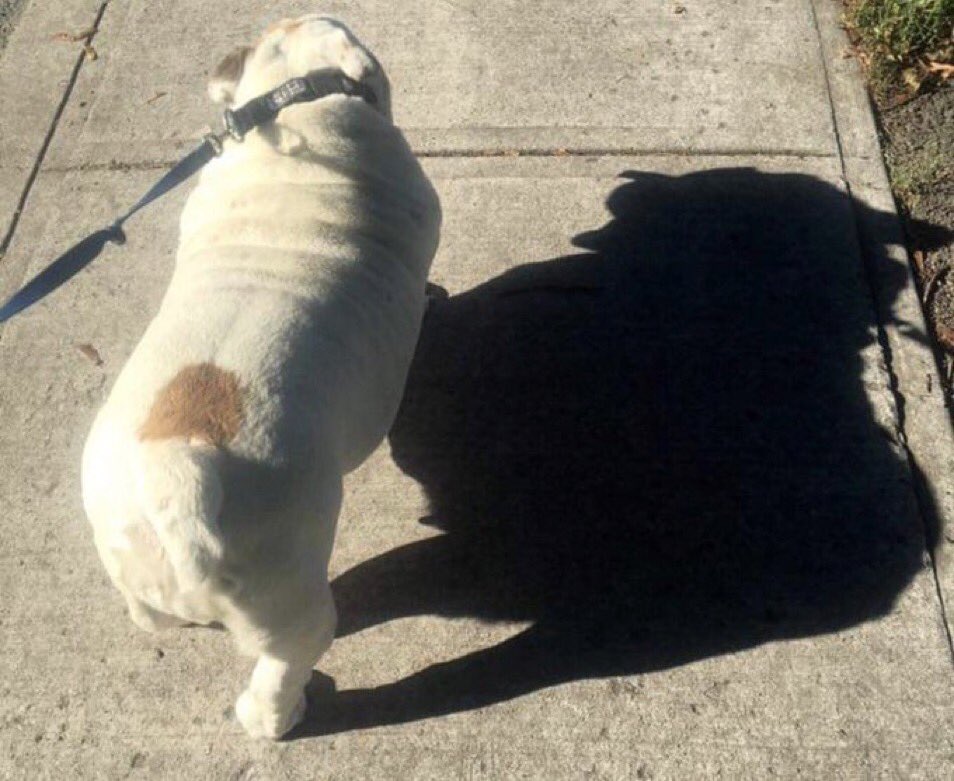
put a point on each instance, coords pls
(202, 402)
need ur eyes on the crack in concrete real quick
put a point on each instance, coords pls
(48, 138)
(112, 165)
(621, 152)
(158, 165)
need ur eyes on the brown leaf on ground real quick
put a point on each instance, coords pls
(898, 101)
(84, 35)
(855, 49)
(944, 70)
(945, 336)
(90, 352)
(918, 257)
(156, 97)
(912, 78)
(931, 285)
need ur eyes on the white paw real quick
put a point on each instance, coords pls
(153, 621)
(262, 719)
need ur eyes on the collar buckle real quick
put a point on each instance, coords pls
(232, 125)
(215, 140)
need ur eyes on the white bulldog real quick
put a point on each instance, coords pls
(213, 474)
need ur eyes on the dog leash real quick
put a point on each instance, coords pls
(264, 108)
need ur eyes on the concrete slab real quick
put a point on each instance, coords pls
(35, 71)
(643, 512)
(612, 75)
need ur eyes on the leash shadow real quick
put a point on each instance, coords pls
(658, 450)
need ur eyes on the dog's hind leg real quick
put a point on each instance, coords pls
(274, 701)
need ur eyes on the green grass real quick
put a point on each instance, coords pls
(896, 37)
(915, 174)
(901, 30)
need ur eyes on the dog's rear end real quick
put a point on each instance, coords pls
(181, 553)
(155, 509)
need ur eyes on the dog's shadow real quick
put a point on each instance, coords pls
(656, 451)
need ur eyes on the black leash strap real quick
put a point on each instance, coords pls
(258, 111)
(80, 255)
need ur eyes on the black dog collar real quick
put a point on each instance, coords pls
(313, 86)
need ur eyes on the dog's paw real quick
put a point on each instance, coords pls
(151, 620)
(435, 292)
(261, 719)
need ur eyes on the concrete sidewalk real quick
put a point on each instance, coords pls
(673, 455)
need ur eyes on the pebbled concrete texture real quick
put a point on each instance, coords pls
(647, 511)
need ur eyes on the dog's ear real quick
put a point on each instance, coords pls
(227, 74)
(351, 56)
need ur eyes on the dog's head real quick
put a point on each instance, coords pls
(291, 48)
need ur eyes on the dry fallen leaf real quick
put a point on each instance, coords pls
(90, 53)
(918, 257)
(932, 284)
(945, 336)
(912, 79)
(90, 352)
(156, 97)
(943, 69)
(85, 35)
